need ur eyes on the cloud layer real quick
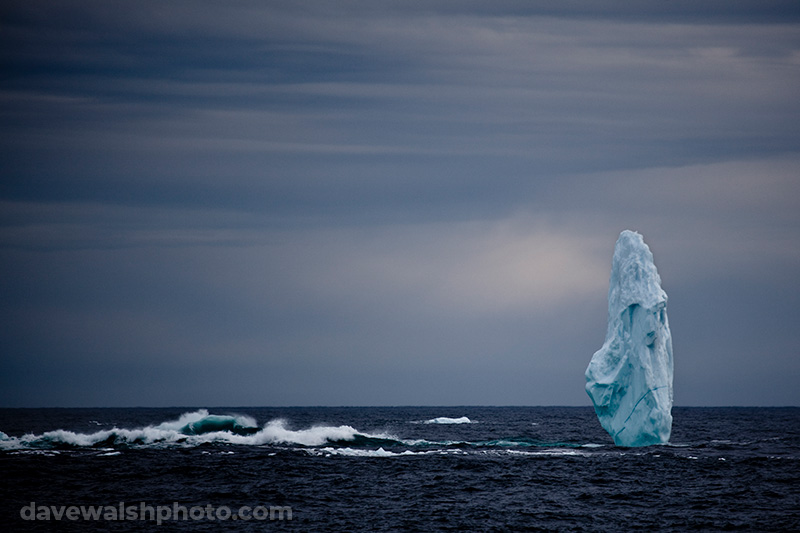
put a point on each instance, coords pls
(412, 203)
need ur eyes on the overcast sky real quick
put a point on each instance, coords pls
(391, 203)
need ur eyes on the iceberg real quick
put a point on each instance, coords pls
(446, 420)
(629, 379)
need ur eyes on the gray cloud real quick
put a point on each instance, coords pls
(414, 204)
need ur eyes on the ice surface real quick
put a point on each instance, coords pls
(629, 379)
(446, 420)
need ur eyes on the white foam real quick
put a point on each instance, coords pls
(46, 453)
(274, 432)
(351, 452)
(549, 453)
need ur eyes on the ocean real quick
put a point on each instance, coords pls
(394, 469)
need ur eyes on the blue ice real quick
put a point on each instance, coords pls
(629, 379)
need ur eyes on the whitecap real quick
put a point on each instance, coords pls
(549, 453)
(189, 430)
(351, 452)
(276, 432)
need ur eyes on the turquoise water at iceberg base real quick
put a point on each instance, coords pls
(399, 469)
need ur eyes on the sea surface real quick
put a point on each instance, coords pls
(394, 469)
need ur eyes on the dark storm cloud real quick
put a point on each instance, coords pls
(334, 108)
(413, 202)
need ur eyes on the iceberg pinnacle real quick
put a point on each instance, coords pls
(629, 379)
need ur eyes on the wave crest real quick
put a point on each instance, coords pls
(195, 428)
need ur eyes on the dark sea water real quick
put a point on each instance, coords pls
(395, 469)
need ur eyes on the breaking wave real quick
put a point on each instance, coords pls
(196, 428)
(200, 427)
